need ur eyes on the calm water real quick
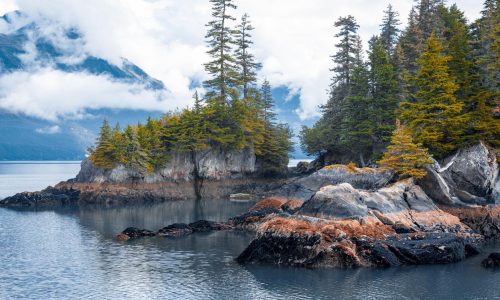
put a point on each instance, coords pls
(71, 254)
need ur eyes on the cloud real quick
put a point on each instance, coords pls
(49, 129)
(293, 39)
(51, 94)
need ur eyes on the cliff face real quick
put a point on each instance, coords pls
(213, 164)
(468, 177)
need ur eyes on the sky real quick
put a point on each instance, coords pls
(293, 40)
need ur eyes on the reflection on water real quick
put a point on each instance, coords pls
(72, 254)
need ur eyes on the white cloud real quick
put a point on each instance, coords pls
(49, 129)
(50, 94)
(293, 39)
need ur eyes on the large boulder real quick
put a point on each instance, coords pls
(468, 177)
(403, 205)
(314, 243)
(304, 188)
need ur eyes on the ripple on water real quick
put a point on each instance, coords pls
(71, 255)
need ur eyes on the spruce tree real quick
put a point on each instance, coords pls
(103, 156)
(222, 68)
(428, 17)
(411, 43)
(267, 106)
(384, 95)
(244, 58)
(389, 29)
(136, 157)
(435, 115)
(344, 60)
(356, 129)
(403, 156)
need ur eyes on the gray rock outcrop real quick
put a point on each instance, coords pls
(304, 188)
(214, 164)
(403, 205)
(468, 177)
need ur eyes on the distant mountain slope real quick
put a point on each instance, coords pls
(26, 46)
(13, 47)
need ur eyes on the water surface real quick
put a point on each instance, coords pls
(72, 254)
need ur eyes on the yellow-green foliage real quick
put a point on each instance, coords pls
(403, 156)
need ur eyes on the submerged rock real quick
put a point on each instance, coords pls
(493, 261)
(175, 230)
(134, 233)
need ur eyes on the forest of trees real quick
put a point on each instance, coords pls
(234, 113)
(439, 76)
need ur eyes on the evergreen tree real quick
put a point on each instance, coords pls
(384, 95)
(389, 29)
(348, 49)
(245, 59)
(156, 148)
(356, 129)
(488, 44)
(435, 117)
(267, 106)
(428, 17)
(272, 152)
(222, 68)
(411, 43)
(345, 60)
(404, 157)
(103, 156)
(137, 158)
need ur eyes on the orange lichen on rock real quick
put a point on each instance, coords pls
(292, 205)
(351, 168)
(334, 230)
(271, 202)
(277, 202)
(122, 237)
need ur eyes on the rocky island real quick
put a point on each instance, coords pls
(338, 216)
(406, 151)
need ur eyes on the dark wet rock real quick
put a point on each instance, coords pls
(205, 226)
(134, 233)
(483, 220)
(470, 176)
(493, 261)
(313, 247)
(49, 197)
(403, 228)
(303, 167)
(250, 218)
(303, 188)
(434, 248)
(175, 230)
(293, 250)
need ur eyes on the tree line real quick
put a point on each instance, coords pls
(439, 76)
(234, 113)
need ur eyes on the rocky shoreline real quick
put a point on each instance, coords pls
(339, 216)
